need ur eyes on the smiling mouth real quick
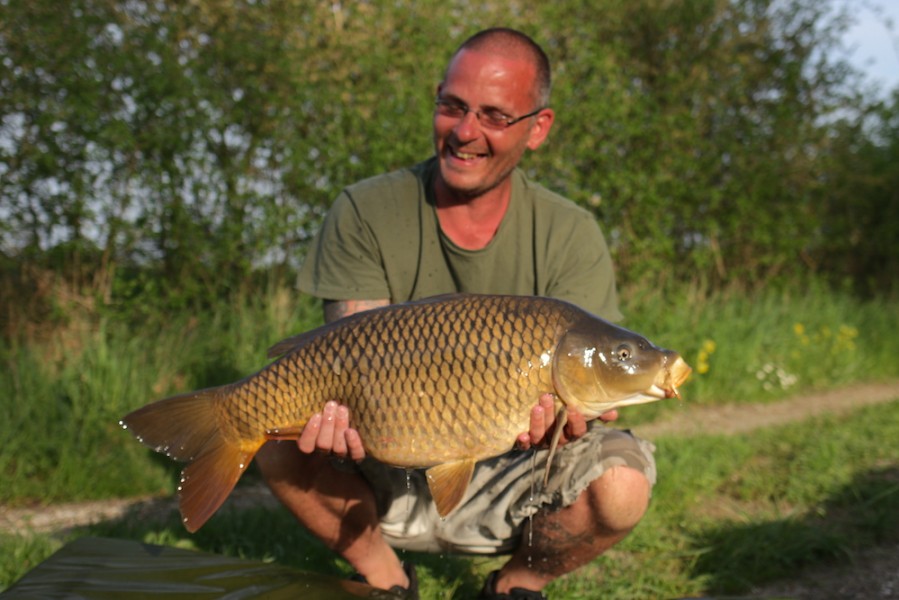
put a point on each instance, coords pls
(465, 155)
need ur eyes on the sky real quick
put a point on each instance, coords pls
(874, 40)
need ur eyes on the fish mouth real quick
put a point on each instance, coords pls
(670, 379)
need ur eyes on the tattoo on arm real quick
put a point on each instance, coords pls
(337, 309)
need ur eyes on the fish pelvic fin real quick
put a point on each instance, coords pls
(448, 482)
(186, 428)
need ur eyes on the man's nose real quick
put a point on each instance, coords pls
(468, 127)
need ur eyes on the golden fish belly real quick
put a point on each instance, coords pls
(439, 382)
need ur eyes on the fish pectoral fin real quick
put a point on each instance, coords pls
(288, 432)
(561, 420)
(448, 482)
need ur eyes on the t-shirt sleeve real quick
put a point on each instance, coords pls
(581, 269)
(344, 261)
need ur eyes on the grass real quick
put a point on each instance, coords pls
(727, 512)
(68, 394)
(769, 345)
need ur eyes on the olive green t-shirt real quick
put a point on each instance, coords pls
(381, 239)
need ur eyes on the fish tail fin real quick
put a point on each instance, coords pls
(208, 480)
(186, 428)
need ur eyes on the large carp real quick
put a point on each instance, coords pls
(439, 383)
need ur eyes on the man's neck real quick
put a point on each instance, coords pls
(471, 222)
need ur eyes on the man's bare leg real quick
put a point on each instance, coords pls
(564, 540)
(337, 507)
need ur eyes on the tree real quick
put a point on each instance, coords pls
(184, 147)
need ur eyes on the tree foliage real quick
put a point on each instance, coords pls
(182, 146)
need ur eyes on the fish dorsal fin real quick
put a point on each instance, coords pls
(561, 420)
(285, 346)
(448, 482)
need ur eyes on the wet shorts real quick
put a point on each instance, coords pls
(504, 491)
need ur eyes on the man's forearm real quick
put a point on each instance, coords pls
(337, 309)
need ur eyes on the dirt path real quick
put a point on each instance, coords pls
(873, 575)
(61, 518)
(740, 418)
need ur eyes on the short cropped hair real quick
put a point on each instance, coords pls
(514, 44)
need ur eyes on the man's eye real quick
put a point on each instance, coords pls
(495, 117)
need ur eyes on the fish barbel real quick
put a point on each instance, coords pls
(439, 383)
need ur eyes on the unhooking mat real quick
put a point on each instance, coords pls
(108, 569)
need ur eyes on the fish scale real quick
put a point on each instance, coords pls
(439, 383)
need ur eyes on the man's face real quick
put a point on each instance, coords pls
(475, 159)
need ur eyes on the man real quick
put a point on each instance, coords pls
(467, 220)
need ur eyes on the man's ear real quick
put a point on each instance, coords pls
(540, 129)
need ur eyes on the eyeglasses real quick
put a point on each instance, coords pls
(490, 118)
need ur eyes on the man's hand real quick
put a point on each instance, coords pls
(543, 417)
(329, 432)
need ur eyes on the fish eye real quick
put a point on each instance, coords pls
(623, 352)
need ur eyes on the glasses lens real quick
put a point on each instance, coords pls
(494, 120)
(451, 109)
(490, 119)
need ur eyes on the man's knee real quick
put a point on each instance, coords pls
(619, 498)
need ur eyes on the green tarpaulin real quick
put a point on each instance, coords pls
(114, 569)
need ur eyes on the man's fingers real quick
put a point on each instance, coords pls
(548, 402)
(341, 424)
(354, 446)
(538, 425)
(330, 432)
(576, 425)
(541, 420)
(309, 436)
(325, 440)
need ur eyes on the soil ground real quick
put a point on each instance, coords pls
(872, 575)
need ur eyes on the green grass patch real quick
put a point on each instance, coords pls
(67, 395)
(768, 345)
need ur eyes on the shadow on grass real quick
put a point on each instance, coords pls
(862, 514)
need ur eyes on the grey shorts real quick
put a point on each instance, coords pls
(503, 493)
